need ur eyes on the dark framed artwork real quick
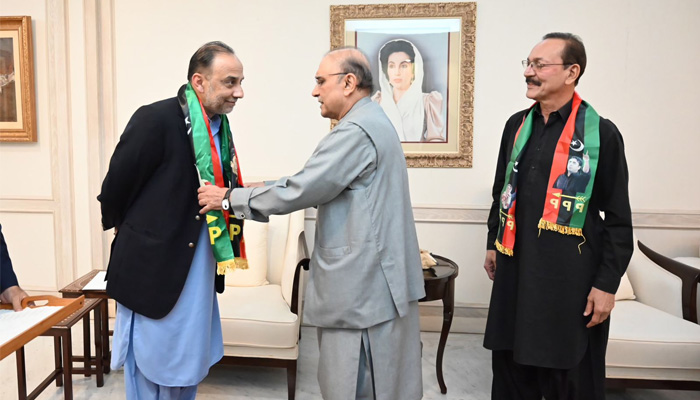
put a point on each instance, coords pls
(17, 98)
(422, 60)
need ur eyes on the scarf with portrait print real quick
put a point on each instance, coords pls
(565, 205)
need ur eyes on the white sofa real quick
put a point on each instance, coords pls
(261, 306)
(654, 337)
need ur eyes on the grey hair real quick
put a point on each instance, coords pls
(355, 62)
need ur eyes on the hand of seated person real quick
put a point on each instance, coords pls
(13, 295)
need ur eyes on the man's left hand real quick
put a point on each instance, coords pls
(210, 197)
(600, 303)
(14, 295)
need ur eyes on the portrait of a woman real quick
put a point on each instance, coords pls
(415, 115)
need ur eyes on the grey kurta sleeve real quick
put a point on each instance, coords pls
(343, 156)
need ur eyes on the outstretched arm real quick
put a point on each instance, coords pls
(341, 157)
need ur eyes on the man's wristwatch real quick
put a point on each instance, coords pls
(225, 204)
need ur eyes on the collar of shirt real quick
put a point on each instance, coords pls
(563, 112)
(215, 124)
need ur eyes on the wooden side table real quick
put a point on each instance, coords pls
(75, 289)
(63, 355)
(439, 283)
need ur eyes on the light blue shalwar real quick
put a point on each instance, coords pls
(166, 358)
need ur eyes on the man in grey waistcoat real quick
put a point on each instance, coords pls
(365, 276)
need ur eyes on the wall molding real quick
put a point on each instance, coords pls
(101, 113)
(647, 219)
(61, 138)
(468, 318)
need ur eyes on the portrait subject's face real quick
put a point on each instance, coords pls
(400, 70)
(222, 85)
(573, 166)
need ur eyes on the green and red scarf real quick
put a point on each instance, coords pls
(564, 211)
(226, 239)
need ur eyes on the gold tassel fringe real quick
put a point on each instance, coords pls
(503, 249)
(241, 263)
(237, 263)
(566, 230)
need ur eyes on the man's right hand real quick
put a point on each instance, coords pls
(490, 263)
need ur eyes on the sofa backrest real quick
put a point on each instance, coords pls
(653, 285)
(272, 250)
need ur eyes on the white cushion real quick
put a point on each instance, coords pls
(644, 337)
(624, 291)
(257, 317)
(255, 236)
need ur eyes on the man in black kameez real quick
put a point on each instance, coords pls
(556, 275)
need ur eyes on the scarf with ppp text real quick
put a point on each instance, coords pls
(568, 192)
(225, 230)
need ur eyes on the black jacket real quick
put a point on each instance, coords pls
(150, 195)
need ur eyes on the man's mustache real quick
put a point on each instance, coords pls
(533, 81)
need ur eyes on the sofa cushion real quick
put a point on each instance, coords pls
(645, 337)
(255, 235)
(257, 317)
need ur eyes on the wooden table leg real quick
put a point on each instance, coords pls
(106, 355)
(57, 359)
(21, 375)
(448, 311)
(67, 366)
(98, 346)
(86, 344)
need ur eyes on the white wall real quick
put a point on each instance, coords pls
(633, 78)
(642, 55)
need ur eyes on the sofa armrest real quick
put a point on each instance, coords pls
(303, 263)
(690, 277)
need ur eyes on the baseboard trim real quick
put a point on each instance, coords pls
(648, 219)
(466, 319)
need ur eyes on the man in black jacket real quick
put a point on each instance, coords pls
(163, 265)
(554, 277)
(10, 292)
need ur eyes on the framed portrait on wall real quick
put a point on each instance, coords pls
(17, 101)
(422, 61)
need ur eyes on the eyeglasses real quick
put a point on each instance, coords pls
(537, 66)
(320, 80)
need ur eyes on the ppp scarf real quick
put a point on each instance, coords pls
(226, 240)
(567, 195)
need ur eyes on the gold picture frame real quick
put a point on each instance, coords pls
(17, 98)
(441, 37)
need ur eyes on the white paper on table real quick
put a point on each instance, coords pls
(12, 323)
(98, 282)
